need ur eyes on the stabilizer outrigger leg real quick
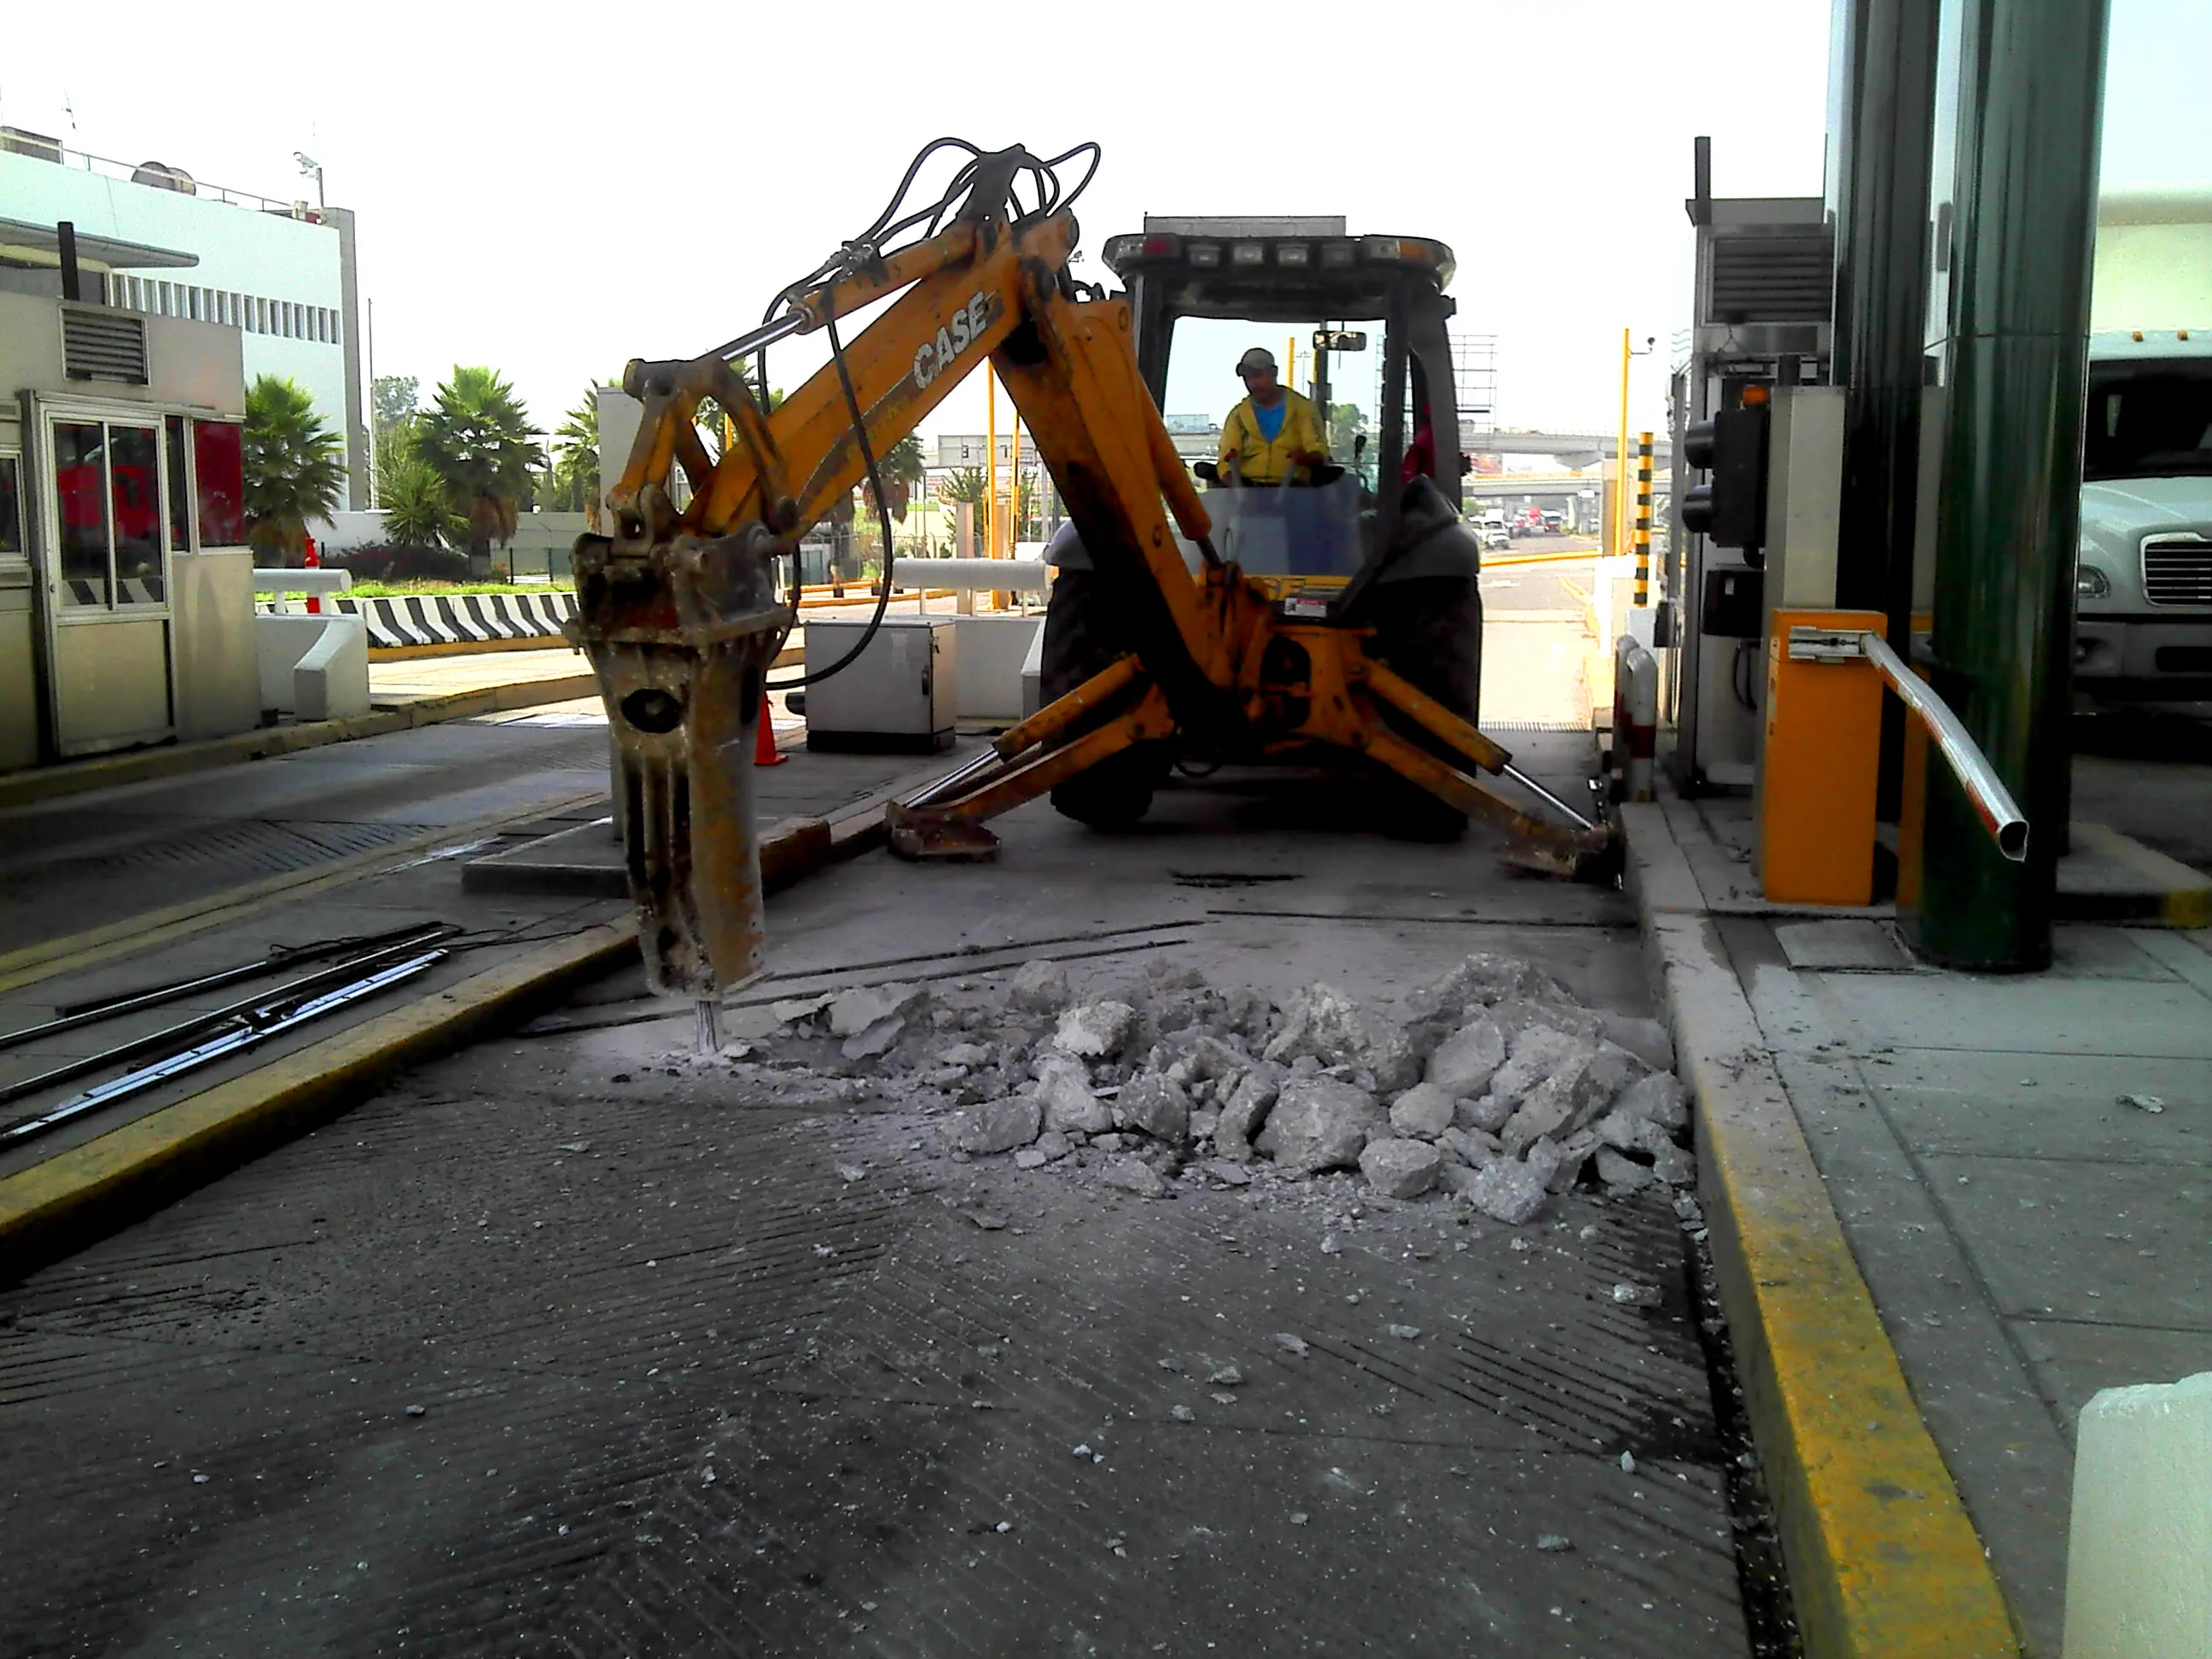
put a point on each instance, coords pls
(944, 820)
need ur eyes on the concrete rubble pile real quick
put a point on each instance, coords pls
(1492, 1088)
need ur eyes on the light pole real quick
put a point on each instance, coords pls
(1621, 493)
(311, 168)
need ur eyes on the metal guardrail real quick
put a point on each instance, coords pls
(1992, 802)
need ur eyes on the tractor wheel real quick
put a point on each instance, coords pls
(1430, 629)
(1081, 639)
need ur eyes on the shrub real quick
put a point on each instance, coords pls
(387, 563)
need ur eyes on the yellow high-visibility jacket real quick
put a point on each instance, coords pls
(1263, 463)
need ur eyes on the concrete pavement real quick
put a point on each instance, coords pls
(577, 1343)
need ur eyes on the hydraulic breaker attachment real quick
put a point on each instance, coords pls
(681, 632)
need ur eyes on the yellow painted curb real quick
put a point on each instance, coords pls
(48, 1208)
(1884, 1562)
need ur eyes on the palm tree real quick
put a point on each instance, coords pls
(415, 513)
(576, 458)
(294, 470)
(476, 435)
(964, 485)
(904, 468)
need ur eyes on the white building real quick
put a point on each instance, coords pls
(282, 273)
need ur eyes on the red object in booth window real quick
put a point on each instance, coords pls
(219, 462)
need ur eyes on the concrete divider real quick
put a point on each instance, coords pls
(321, 660)
(331, 679)
(412, 622)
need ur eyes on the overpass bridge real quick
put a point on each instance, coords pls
(1569, 448)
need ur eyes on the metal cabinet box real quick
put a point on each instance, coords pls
(897, 694)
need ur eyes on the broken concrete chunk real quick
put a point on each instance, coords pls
(1030, 1158)
(1063, 1092)
(1465, 1061)
(1422, 1113)
(1247, 1109)
(1055, 1145)
(969, 1054)
(1625, 1130)
(1574, 1151)
(799, 1008)
(1401, 1168)
(1482, 979)
(1548, 1110)
(1291, 1345)
(995, 1126)
(1456, 1178)
(1507, 1191)
(1638, 1295)
(1323, 1024)
(1156, 1103)
(853, 1012)
(1472, 1147)
(1321, 1123)
(1487, 1114)
(1130, 1174)
(1533, 1056)
(1674, 1166)
(1093, 1030)
(1621, 1175)
(1515, 1015)
(1658, 1097)
(878, 1039)
(1228, 1173)
(1647, 1039)
(1039, 986)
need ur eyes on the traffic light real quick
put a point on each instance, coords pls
(1730, 506)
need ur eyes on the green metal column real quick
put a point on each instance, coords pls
(2030, 95)
(1882, 140)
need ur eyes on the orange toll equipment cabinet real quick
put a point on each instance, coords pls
(1820, 744)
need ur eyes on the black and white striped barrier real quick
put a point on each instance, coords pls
(462, 618)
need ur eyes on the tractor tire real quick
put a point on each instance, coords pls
(1081, 639)
(1430, 629)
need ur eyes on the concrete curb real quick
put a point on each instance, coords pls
(1884, 1562)
(62, 1204)
(44, 783)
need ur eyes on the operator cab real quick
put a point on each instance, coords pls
(1357, 323)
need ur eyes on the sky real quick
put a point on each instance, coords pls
(548, 193)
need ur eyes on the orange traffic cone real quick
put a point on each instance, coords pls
(765, 749)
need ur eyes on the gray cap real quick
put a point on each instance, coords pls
(1258, 358)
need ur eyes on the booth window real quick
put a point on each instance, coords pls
(11, 507)
(81, 493)
(219, 473)
(181, 496)
(134, 473)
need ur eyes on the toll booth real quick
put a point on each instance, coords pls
(126, 588)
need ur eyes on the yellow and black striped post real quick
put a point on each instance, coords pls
(1643, 518)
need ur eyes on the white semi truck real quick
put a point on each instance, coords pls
(2143, 579)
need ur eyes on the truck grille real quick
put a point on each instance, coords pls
(2178, 570)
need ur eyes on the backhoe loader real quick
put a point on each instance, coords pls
(680, 613)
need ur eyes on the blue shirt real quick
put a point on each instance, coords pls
(1271, 419)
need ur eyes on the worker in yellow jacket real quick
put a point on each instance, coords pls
(1273, 430)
